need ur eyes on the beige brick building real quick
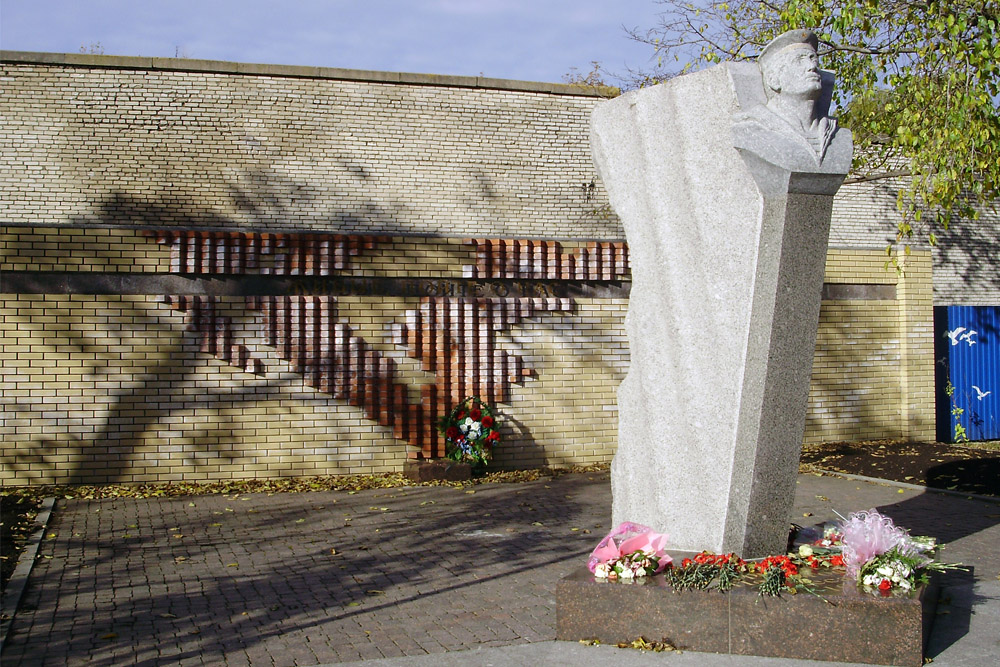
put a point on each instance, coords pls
(213, 271)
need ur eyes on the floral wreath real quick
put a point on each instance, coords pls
(470, 431)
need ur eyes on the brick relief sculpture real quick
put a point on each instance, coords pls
(453, 338)
(525, 258)
(241, 253)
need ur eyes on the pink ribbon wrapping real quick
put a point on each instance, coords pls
(625, 539)
(865, 535)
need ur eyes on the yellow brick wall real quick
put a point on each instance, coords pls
(102, 389)
(115, 388)
(873, 373)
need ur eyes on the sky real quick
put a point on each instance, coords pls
(531, 40)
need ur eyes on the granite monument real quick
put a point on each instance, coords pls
(724, 182)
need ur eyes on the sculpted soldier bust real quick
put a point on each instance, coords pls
(793, 129)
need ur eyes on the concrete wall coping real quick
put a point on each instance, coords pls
(298, 71)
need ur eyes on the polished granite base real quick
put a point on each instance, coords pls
(839, 623)
(429, 470)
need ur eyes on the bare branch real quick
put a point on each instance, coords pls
(877, 177)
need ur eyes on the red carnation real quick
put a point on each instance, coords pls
(451, 433)
(885, 585)
(493, 436)
(460, 416)
(487, 421)
(476, 414)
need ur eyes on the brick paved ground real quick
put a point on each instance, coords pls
(253, 579)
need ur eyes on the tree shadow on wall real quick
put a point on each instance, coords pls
(264, 199)
(972, 247)
(259, 200)
(828, 391)
(136, 401)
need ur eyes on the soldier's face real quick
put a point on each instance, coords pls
(798, 72)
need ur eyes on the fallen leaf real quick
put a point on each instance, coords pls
(110, 635)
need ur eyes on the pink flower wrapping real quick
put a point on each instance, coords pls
(628, 538)
(870, 534)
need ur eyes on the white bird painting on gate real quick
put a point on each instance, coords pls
(956, 335)
(980, 394)
(967, 337)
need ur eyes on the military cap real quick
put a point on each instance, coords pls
(790, 38)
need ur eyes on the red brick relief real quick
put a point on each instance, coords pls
(456, 339)
(545, 260)
(215, 331)
(306, 333)
(239, 253)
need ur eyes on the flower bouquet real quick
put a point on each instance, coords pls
(471, 432)
(628, 552)
(882, 558)
(885, 558)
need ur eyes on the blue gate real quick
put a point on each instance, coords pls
(967, 352)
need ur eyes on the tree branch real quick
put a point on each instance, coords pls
(877, 177)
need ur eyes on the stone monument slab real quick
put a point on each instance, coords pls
(841, 624)
(725, 194)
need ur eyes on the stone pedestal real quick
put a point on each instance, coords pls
(428, 470)
(845, 625)
(727, 235)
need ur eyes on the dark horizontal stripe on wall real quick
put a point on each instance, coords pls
(858, 292)
(44, 282)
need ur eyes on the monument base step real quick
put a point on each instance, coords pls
(429, 470)
(839, 623)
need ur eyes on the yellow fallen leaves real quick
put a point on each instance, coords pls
(644, 645)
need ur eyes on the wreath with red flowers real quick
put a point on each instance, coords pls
(471, 432)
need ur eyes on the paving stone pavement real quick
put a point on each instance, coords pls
(392, 575)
